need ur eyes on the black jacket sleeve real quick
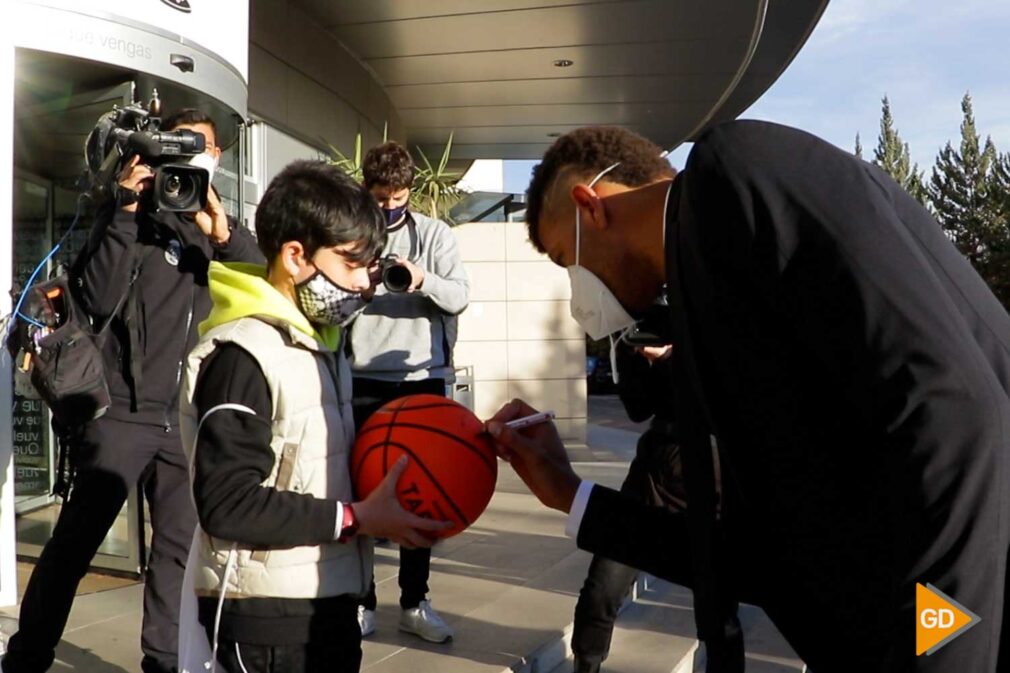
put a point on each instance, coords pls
(241, 246)
(105, 266)
(233, 457)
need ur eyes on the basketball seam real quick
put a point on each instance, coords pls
(488, 462)
(389, 436)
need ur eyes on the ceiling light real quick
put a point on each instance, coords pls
(563, 63)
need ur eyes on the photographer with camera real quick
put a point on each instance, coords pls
(402, 344)
(145, 266)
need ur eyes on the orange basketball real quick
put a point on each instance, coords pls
(452, 470)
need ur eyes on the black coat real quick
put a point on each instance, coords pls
(156, 324)
(856, 371)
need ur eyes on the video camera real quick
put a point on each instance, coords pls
(133, 130)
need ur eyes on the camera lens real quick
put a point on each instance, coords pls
(173, 185)
(396, 278)
(180, 188)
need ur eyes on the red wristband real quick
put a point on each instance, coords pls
(349, 525)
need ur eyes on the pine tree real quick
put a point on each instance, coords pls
(999, 242)
(893, 156)
(966, 194)
(859, 147)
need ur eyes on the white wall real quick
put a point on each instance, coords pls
(517, 332)
(484, 175)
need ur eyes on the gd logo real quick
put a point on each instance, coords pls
(939, 619)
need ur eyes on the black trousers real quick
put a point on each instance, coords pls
(111, 456)
(334, 647)
(654, 477)
(415, 564)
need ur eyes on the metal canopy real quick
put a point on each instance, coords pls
(486, 70)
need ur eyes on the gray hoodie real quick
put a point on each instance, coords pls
(410, 337)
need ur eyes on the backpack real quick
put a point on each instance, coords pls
(53, 341)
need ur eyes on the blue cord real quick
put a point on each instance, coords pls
(31, 279)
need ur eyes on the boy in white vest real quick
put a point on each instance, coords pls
(284, 551)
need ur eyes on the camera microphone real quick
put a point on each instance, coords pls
(144, 143)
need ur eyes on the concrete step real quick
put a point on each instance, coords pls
(656, 634)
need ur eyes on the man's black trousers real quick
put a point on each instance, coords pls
(111, 456)
(415, 564)
(653, 477)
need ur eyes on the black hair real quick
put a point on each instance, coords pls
(320, 206)
(388, 165)
(591, 150)
(188, 116)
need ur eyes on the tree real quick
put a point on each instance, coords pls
(967, 191)
(892, 155)
(999, 241)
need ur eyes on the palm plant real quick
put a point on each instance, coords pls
(435, 189)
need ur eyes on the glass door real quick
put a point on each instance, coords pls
(43, 213)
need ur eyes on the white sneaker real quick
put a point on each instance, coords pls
(423, 621)
(366, 621)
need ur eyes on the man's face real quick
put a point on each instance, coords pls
(390, 198)
(603, 251)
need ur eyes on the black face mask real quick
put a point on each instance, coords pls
(324, 302)
(393, 215)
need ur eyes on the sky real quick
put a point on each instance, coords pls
(923, 54)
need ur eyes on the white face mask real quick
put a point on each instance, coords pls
(593, 305)
(208, 162)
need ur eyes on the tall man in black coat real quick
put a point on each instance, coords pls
(853, 367)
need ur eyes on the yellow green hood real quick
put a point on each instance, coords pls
(240, 290)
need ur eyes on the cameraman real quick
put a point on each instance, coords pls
(149, 270)
(402, 345)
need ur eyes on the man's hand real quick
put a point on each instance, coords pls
(416, 273)
(655, 353)
(213, 220)
(135, 177)
(537, 455)
(380, 514)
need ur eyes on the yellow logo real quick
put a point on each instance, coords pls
(938, 619)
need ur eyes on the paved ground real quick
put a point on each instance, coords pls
(507, 586)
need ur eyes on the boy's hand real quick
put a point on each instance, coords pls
(380, 514)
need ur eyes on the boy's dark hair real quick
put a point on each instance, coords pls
(587, 151)
(388, 165)
(320, 206)
(187, 116)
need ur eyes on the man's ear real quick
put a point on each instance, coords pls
(588, 201)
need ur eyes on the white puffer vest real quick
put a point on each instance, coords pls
(313, 430)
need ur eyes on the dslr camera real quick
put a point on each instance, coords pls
(395, 276)
(124, 132)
